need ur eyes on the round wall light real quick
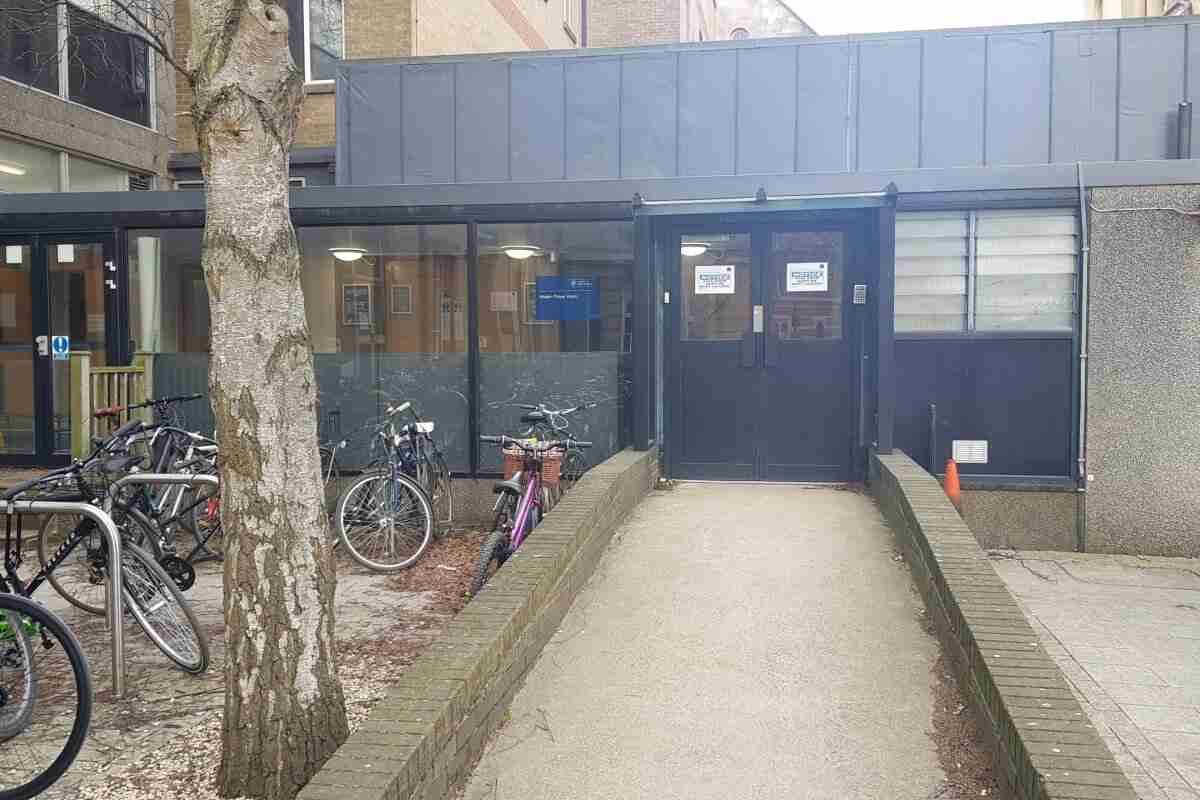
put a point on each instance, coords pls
(347, 253)
(520, 252)
(693, 249)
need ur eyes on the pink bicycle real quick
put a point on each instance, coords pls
(531, 468)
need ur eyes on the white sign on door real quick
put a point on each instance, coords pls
(808, 276)
(717, 279)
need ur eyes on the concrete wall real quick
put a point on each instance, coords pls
(1144, 365)
(1021, 520)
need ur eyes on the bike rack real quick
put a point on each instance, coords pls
(160, 479)
(111, 589)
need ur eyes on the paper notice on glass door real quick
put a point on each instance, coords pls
(810, 276)
(717, 279)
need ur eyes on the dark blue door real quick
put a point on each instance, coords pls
(767, 349)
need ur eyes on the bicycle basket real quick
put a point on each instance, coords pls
(514, 460)
(551, 467)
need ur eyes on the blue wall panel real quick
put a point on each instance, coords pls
(1018, 99)
(952, 98)
(766, 110)
(889, 104)
(1151, 89)
(593, 118)
(537, 120)
(427, 126)
(823, 103)
(481, 121)
(648, 113)
(1085, 96)
(368, 112)
(707, 112)
(1016, 394)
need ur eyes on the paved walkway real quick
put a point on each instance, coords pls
(742, 642)
(1126, 632)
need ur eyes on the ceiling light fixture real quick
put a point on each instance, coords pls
(520, 252)
(347, 253)
(12, 169)
(693, 249)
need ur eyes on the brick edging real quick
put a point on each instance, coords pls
(431, 727)
(1044, 745)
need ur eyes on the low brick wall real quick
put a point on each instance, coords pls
(1045, 746)
(432, 726)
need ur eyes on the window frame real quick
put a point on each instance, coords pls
(970, 298)
(309, 80)
(572, 22)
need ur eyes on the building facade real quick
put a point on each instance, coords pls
(758, 19)
(765, 257)
(324, 33)
(625, 23)
(1119, 9)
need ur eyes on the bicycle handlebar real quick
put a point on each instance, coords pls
(555, 444)
(112, 411)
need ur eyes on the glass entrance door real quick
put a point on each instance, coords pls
(18, 397)
(58, 295)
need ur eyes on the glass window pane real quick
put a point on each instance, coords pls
(389, 325)
(85, 175)
(325, 38)
(716, 287)
(1026, 263)
(807, 282)
(168, 314)
(17, 408)
(29, 43)
(555, 328)
(931, 271)
(76, 276)
(26, 168)
(108, 69)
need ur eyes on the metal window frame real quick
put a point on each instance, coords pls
(309, 80)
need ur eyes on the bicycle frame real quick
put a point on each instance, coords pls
(530, 497)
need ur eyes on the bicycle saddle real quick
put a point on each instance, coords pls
(533, 417)
(513, 485)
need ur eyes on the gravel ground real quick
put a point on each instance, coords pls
(163, 741)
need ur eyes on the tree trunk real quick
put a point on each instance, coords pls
(284, 708)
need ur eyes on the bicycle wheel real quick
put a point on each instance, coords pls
(386, 523)
(159, 608)
(492, 556)
(45, 698)
(80, 577)
(573, 466)
(441, 494)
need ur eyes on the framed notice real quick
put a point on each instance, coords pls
(504, 301)
(715, 279)
(401, 299)
(356, 305)
(809, 276)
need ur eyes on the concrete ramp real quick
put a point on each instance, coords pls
(737, 641)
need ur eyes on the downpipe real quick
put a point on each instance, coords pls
(1081, 462)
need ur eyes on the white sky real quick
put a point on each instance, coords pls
(866, 16)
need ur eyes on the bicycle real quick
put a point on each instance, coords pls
(551, 423)
(41, 688)
(424, 462)
(385, 517)
(148, 592)
(522, 501)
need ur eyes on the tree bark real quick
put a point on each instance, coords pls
(284, 708)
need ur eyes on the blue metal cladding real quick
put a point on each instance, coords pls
(1093, 91)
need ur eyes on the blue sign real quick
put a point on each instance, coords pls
(563, 298)
(60, 346)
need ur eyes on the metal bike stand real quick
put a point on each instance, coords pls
(160, 479)
(112, 593)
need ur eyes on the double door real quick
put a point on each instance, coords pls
(768, 373)
(52, 287)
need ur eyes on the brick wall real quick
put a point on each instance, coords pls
(431, 728)
(1044, 746)
(618, 23)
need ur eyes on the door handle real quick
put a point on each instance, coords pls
(43, 345)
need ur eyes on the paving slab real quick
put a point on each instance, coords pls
(748, 641)
(1125, 630)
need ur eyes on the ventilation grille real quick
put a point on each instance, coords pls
(141, 183)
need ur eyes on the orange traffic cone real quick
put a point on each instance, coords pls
(953, 490)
